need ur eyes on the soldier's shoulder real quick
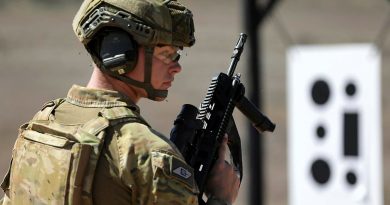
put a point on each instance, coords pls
(142, 138)
(152, 155)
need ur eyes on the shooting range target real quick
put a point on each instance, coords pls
(334, 125)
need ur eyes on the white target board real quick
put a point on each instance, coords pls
(334, 125)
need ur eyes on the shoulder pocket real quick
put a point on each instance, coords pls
(173, 180)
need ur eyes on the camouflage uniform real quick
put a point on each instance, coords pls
(137, 165)
(93, 147)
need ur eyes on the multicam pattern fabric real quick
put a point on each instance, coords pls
(150, 22)
(137, 165)
(39, 172)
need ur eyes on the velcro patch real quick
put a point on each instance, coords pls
(176, 168)
(182, 171)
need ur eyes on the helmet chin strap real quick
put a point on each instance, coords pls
(151, 92)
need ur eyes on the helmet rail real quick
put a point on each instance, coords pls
(103, 17)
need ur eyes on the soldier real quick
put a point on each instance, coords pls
(93, 147)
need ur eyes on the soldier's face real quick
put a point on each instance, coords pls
(164, 68)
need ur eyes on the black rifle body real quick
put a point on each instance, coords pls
(198, 133)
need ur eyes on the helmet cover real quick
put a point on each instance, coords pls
(150, 22)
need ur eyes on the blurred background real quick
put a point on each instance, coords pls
(40, 58)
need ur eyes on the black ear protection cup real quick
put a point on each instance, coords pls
(118, 51)
(115, 53)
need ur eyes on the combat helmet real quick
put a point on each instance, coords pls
(149, 23)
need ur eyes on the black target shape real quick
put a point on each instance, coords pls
(321, 131)
(350, 89)
(351, 178)
(320, 171)
(320, 92)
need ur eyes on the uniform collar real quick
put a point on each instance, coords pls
(92, 97)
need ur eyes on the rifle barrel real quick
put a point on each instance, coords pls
(236, 54)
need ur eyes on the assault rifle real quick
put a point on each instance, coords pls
(198, 134)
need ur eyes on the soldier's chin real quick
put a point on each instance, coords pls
(160, 96)
(159, 99)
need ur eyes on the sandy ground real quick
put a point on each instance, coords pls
(40, 59)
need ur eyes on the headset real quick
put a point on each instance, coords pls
(118, 51)
(117, 54)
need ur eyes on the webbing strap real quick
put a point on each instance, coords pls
(117, 113)
(122, 114)
(44, 113)
(148, 64)
(95, 126)
(108, 117)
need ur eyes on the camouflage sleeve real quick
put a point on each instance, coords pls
(152, 169)
(168, 180)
